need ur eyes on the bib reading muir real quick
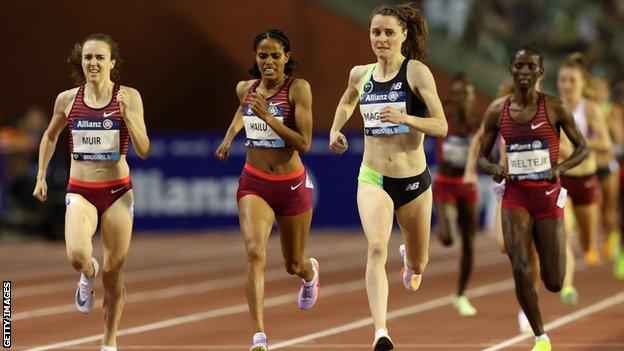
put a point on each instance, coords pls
(528, 160)
(258, 132)
(95, 139)
(455, 150)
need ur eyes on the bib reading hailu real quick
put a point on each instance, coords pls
(259, 134)
(97, 134)
(396, 93)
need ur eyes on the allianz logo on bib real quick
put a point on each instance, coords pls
(412, 186)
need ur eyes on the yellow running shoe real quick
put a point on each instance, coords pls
(612, 245)
(463, 306)
(618, 266)
(542, 345)
(568, 295)
(592, 258)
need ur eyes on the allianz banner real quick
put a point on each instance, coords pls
(182, 186)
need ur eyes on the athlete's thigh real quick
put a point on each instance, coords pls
(256, 220)
(81, 220)
(116, 228)
(550, 243)
(376, 212)
(517, 233)
(467, 218)
(294, 234)
(415, 221)
(610, 189)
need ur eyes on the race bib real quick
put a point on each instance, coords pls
(372, 103)
(259, 133)
(95, 139)
(528, 160)
(455, 150)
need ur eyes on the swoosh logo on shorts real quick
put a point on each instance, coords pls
(296, 186)
(535, 126)
(548, 192)
(107, 114)
(116, 190)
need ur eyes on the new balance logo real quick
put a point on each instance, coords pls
(535, 126)
(412, 186)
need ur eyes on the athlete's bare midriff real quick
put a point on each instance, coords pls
(274, 161)
(396, 156)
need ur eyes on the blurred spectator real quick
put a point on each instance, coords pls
(18, 157)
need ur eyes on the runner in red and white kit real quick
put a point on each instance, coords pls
(530, 123)
(276, 112)
(102, 116)
(456, 201)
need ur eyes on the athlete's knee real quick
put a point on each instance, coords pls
(256, 254)
(114, 264)
(445, 239)
(377, 250)
(553, 282)
(520, 266)
(79, 258)
(294, 266)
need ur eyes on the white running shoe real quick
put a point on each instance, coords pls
(310, 291)
(411, 281)
(260, 342)
(523, 323)
(108, 348)
(382, 341)
(84, 296)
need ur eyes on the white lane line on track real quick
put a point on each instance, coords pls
(211, 285)
(177, 270)
(426, 346)
(447, 266)
(483, 290)
(597, 307)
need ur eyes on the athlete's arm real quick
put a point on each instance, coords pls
(566, 121)
(344, 110)
(49, 139)
(491, 122)
(131, 108)
(600, 140)
(223, 151)
(420, 77)
(470, 171)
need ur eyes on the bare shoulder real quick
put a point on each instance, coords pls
(64, 100)
(357, 73)
(132, 91)
(243, 87)
(496, 106)
(418, 69)
(300, 84)
(554, 103)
